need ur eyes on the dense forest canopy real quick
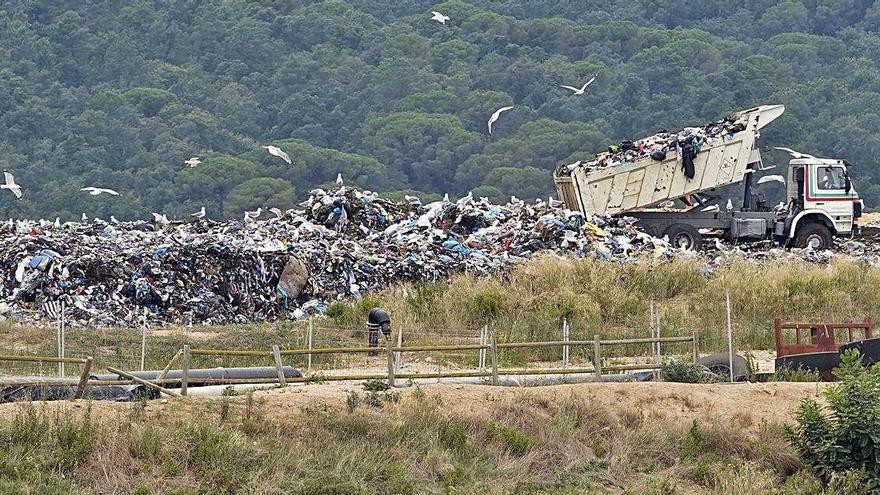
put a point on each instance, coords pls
(118, 94)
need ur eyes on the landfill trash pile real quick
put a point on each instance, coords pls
(686, 144)
(339, 244)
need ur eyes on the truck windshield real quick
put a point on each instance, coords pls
(831, 178)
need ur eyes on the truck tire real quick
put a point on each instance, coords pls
(813, 234)
(682, 235)
(719, 363)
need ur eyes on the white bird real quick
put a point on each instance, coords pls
(192, 162)
(57, 223)
(711, 208)
(771, 178)
(446, 198)
(11, 185)
(437, 16)
(277, 211)
(495, 116)
(199, 214)
(793, 153)
(113, 220)
(729, 206)
(84, 218)
(339, 180)
(276, 151)
(250, 216)
(161, 219)
(582, 89)
(94, 191)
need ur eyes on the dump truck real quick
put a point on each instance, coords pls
(820, 199)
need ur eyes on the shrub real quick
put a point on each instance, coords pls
(844, 437)
(681, 372)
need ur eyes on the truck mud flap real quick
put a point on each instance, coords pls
(869, 348)
(822, 362)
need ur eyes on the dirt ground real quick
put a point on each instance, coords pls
(746, 403)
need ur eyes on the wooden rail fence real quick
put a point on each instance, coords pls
(276, 354)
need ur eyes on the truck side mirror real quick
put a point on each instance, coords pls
(847, 183)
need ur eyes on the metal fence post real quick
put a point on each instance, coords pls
(398, 356)
(565, 348)
(484, 333)
(729, 335)
(390, 352)
(597, 356)
(311, 329)
(144, 340)
(494, 362)
(184, 370)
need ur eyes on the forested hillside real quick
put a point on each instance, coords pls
(118, 94)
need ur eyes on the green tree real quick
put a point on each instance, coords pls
(259, 192)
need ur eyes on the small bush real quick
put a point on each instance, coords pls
(681, 372)
(512, 440)
(843, 437)
(352, 400)
(799, 374)
(375, 386)
(372, 399)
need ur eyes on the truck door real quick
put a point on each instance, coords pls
(825, 189)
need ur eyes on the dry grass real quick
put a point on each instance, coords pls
(525, 444)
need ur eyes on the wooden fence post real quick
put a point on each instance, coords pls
(484, 333)
(565, 348)
(390, 352)
(184, 371)
(276, 352)
(597, 356)
(170, 364)
(696, 349)
(494, 362)
(83, 378)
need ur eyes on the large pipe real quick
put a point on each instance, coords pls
(197, 376)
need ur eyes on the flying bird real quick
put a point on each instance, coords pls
(277, 211)
(437, 16)
(192, 162)
(771, 178)
(11, 185)
(582, 89)
(339, 180)
(793, 153)
(276, 151)
(199, 214)
(495, 116)
(94, 191)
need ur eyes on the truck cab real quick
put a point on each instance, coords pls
(821, 203)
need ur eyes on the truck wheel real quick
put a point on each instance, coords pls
(815, 235)
(684, 236)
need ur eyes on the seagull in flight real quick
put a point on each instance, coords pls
(582, 89)
(437, 16)
(193, 162)
(793, 153)
(771, 178)
(94, 191)
(11, 185)
(199, 214)
(495, 116)
(277, 211)
(276, 151)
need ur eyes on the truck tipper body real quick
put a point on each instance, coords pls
(820, 201)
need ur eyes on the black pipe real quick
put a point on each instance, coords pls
(197, 376)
